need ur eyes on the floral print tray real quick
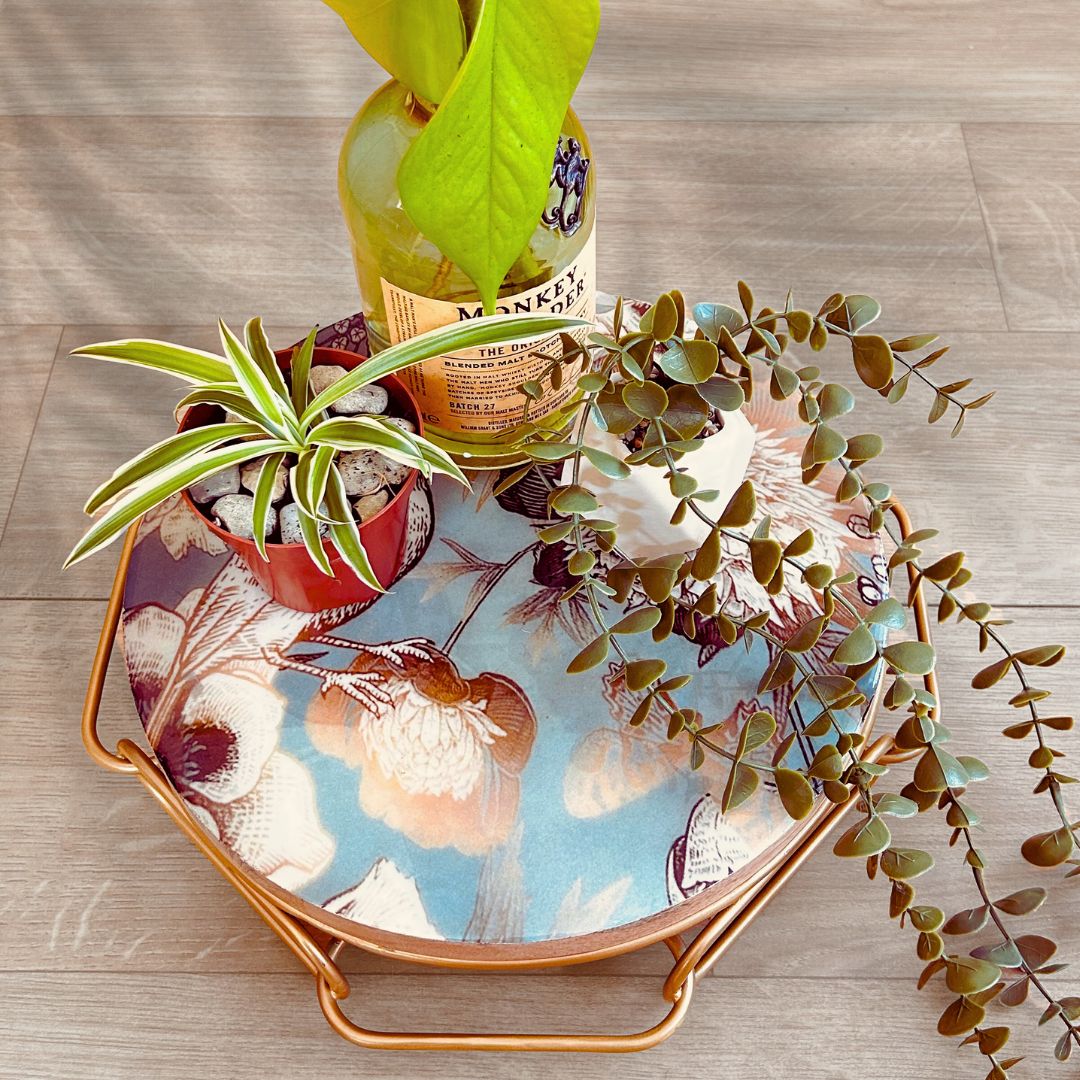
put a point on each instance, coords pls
(424, 772)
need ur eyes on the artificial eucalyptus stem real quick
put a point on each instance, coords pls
(656, 388)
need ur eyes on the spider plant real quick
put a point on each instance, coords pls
(278, 418)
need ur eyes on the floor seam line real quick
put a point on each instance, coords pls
(33, 428)
(986, 228)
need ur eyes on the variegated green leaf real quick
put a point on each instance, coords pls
(161, 485)
(191, 365)
(231, 400)
(264, 496)
(259, 348)
(439, 460)
(254, 383)
(165, 453)
(300, 371)
(309, 482)
(309, 530)
(369, 433)
(346, 537)
(488, 330)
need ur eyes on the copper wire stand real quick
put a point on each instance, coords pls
(318, 950)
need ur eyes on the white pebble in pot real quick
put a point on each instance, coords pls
(290, 524)
(233, 512)
(368, 506)
(401, 422)
(368, 399)
(361, 471)
(249, 477)
(226, 482)
(394, 471)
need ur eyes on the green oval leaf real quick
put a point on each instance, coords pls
(873, 360)
(960, 1017)
(1048, 848)
(970, 975)
(869, 837)
(903, 864)
(741, 784)
(910, 657)
(723, 394)
(662, 321)
(594, 654)
(637, 622)
(968, 921)
(855, 311)
(741, 507)
(864, 447)
(756, 732)
(643, 673)
(648, 400)
(710, 317)
(606, 463)
(890, 612)
(859, 647)
(574, 499)
(1023, 902)
(834, 400)
(795, 793)
(689, 361)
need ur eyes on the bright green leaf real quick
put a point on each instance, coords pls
(476, 180)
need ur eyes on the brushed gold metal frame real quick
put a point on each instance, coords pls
(318, 945)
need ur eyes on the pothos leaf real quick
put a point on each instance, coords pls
(420, 42)
(475, 182)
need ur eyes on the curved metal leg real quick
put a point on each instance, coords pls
(420, 1040)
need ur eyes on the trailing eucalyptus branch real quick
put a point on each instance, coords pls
(947, 575)
(658, 388)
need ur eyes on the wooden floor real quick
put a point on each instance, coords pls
(163, 164)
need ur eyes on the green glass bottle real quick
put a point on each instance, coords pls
(470, 400)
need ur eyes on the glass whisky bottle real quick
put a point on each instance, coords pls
(470, 400)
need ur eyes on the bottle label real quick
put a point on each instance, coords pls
(475, 391)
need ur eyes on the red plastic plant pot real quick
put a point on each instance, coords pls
(288, 574)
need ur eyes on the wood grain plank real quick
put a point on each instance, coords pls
(26, 358)
(1028, 179)
(108, 884)
(114, 220)
(96, 417)
(968, 487)
(800, 206)
(251, 1027)
(991, 491)
(851, 60)
(182, 220)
